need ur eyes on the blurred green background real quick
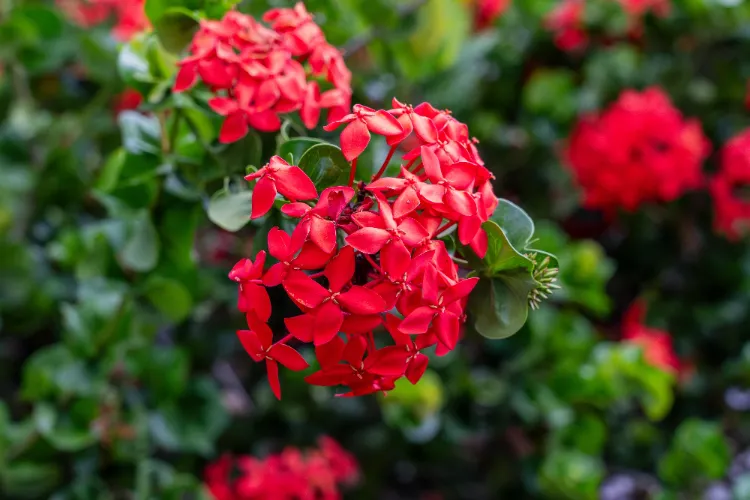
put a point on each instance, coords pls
(120, 372)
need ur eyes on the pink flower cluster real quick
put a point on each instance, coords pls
(130, 17)
(731, 209)
(360, 254)
(639, 150)
(259, 72)
(290, 475)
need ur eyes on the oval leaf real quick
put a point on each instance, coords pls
(230, 211)
(515, 222)
(499, 306)
(326, 166)
(297, 147)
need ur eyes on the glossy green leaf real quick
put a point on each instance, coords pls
(230, 210)
(325, 165)
(296, 147)
(501, 254)
(515, 223)
(140, 133)
(699, 450)
(499, 306)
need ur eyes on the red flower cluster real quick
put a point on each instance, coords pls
(487, 11)
(129, 14)
(732, 211)
(566, 20)
(260, 72)
(289, 475)
(656, 344)
(388, 256)
(639, 150)
(566, 23)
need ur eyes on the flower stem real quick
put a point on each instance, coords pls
(372, 263)
(445, 227)
(287, 337)
(385, 164)
(353, 172)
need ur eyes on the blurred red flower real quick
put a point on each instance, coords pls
(291, 474)
(130, 17)
(731, 208)
(657, 344)
(127, 100)
(639, 150)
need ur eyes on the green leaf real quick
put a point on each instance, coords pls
(133, 66)
(141, 250)
(169, 296)
(175, 28)
(140, 133)
(499, 306)
(699, 450)
(230, 210)
(297, 147)
(325, 165)
(29, 479)
(515, 223)
(571, 474)
(501, 254)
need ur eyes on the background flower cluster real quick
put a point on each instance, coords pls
(126, 131)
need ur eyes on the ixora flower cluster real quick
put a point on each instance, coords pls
(360, 253)
(567, 19)
(259, 72)
(130, 17)
(656, 344)
(291, 474)
(731, 205)
(639, 150)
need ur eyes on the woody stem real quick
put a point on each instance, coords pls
(352, 172)
(384, 165)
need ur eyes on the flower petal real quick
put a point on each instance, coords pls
(323, 234)
(417, 367)
(341, 269)
(294, 183)
(361, 300)
(251, 344)
(384, 123)
(304, 290)
(234, 127)
(368, 240)
(288, 357)
(388, 362)
(354, 139)
(330, 353)
(264, 195)
(418, 321)
(406, 203)
(278, 243)
(460, 290)
(326, 322)
(273, 377)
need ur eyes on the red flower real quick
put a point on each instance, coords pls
(130, 15)
(257, 72)
(278, 176)
(487, 11)
(639, 150)
(731, 209)
(127, 100)
(258, 343)
(656, 344)
(314, 473)
(566, 22)
(363, 254)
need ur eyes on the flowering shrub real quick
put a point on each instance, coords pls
(639, 150)
(380, 248)
(732, 211)
(314, 473)
(257, 72)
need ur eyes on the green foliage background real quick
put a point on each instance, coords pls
(120, 373)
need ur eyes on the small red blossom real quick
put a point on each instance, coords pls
(260, 72)
(656, 344)
(128, 100)
(731, 208)
(130, 16)
(316, 473)
(367, 256)
(487, 11)
(639, 150)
